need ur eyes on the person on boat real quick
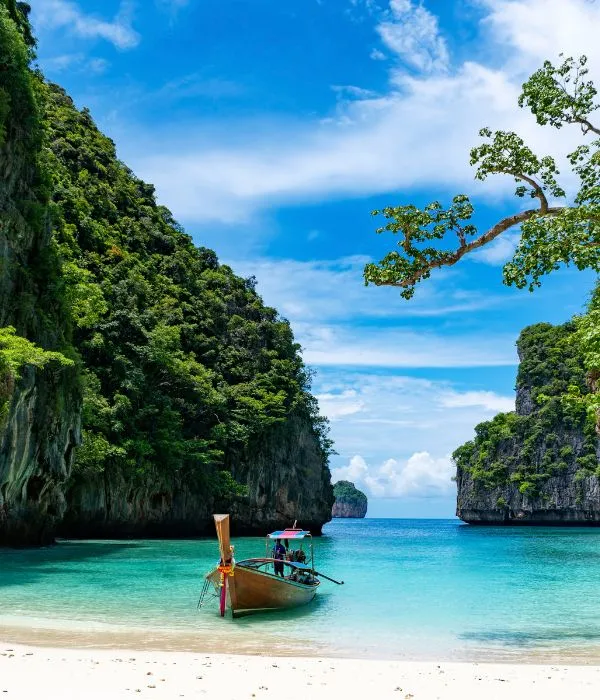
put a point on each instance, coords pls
(279, 555)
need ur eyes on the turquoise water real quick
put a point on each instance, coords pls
(413, 589)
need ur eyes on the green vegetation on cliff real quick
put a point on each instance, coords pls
(526, 447)
(347, 491)
(350, 502)
(183, 369)
(39, 387)
(29, 267)
(183, 365)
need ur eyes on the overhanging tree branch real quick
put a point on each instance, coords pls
(550, 236)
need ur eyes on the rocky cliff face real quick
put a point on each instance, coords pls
(37, 438)
(349, 501)
(538, 465)
(39, 408)
(283, 475)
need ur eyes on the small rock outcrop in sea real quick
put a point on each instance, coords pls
(349, 501)
(539, 464)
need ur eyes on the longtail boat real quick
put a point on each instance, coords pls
(252, 584)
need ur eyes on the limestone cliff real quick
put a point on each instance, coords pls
(39, 406)
(350, 502)
(283, 476)
(143, 385)
(538, 465)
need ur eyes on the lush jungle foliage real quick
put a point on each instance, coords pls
(30, 301)
(182, 366)
(347, 492)
(529, 446)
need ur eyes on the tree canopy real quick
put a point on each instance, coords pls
(559, 229)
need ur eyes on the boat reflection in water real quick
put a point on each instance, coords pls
(252, 584)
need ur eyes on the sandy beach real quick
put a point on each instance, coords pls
(72, 674)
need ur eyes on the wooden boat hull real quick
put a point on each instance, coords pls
(252, 590)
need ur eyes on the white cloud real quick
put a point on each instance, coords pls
(388, 347)
(412, 33)
(301, 291)
(488, 400)
(378, 55)
(419, 476)
(57, 64)
(356, 470)
(334, 406)
(417, 136)
(55, 14)
(497, 252)
(394, 415)
(74, 62)
(98, 65)
(532, 30)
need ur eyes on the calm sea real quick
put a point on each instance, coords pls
(413, 589)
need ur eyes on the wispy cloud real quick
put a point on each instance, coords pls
(55, 14)
(488, 400)
(197, 85)
(57, 64)
(384, 347)
(172, 4)
(377, 55)
(301, 290)
(416, 136)
(74, 62)
(335, 406)
(352, 91)
(370, 327)
(497, 252)
(413, 34)
(387, 416)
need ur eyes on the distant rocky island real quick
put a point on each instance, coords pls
(350, 502)
(539, 464)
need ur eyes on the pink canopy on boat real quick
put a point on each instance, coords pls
(289, 534)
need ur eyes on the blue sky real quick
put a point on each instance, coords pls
(272, 129)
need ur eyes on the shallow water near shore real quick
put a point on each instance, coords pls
(414, 589)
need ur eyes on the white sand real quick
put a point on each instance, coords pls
(71, 674)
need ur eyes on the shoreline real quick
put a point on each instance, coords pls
(30, 671)
(230, 641)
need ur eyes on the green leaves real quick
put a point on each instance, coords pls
(552, 233)
(17, 352)
(414, 226)
(506, 153)
(561, 95)
(83, 296)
